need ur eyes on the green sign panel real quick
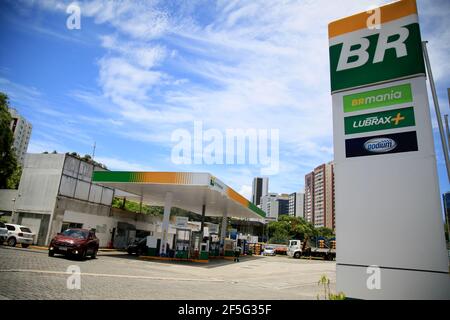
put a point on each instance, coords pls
(387, 55)
(378, 98)
(392, 119)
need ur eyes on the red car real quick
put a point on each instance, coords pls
(76, 242)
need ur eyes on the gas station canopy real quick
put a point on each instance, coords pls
(190, 191)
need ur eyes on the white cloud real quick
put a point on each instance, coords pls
(244, 65)
(246, 191)
(119, 164)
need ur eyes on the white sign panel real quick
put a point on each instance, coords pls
(181, 222)
(389, 227)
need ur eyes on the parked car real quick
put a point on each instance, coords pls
(281, 250)
(138, 247)
(19, 234)
(75, 242)
(269, 251)
(3, 232)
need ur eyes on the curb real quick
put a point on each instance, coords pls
(100, 249)
(171, 259)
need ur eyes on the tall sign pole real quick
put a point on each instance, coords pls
(447, 131)
(389, 230)
(437, 109)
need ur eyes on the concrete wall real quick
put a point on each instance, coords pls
(40, 182)
(64, 205)
(6, 196)
(103, 218)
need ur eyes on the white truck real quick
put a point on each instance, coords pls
(297, 249)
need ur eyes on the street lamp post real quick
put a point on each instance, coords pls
(14, 218)
(13, 213)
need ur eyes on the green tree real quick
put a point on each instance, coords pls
(133, 206)
(8, 162)
(288, 227)
(280, 236)
(14, 179)
(325, 232)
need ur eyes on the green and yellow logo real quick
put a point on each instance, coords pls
(378, 98)
(397, 118)
(360, 55)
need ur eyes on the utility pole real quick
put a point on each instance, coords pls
(447, 131)
(93, 150)
(448, 137)
(13, 213)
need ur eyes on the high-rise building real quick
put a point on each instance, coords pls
(266, 202)
(296, 204)
(308, 210)
(260, 189)
(319, 196)
(282, 205)
(275, 205)
(21, 129)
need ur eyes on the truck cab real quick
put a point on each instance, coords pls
(294, 249)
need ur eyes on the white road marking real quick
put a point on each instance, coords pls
(112, 275)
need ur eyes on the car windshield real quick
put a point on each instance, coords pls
(78, 234)
(25, 229)
(269, 248)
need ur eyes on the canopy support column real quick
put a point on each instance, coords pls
(223, 229)
(203, 221)
(165, 225)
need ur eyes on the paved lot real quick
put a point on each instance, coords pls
(31, 274)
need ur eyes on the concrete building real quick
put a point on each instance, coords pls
(275, 205)
(21, 129)
(260, 189)
(266, 201)
(319, 196)
(308, 210)
(282, 207)
(56, 193)
(296, 205)
(54, 190)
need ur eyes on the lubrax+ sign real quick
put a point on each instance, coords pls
(391, 119)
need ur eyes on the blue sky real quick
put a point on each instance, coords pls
(137, 71)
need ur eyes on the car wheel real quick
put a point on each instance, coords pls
(51, 253)
(24, 245)
(297, 255)
(94, 254)
(12, 242)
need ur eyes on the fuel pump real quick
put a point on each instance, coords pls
(182, 244)
(195, 245)
(214, 244)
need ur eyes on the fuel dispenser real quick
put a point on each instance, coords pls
(182, 243)
(214, 245)
(213, 239)
(228, 247)
(195, 246)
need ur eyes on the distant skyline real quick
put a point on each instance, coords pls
(137, 71)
